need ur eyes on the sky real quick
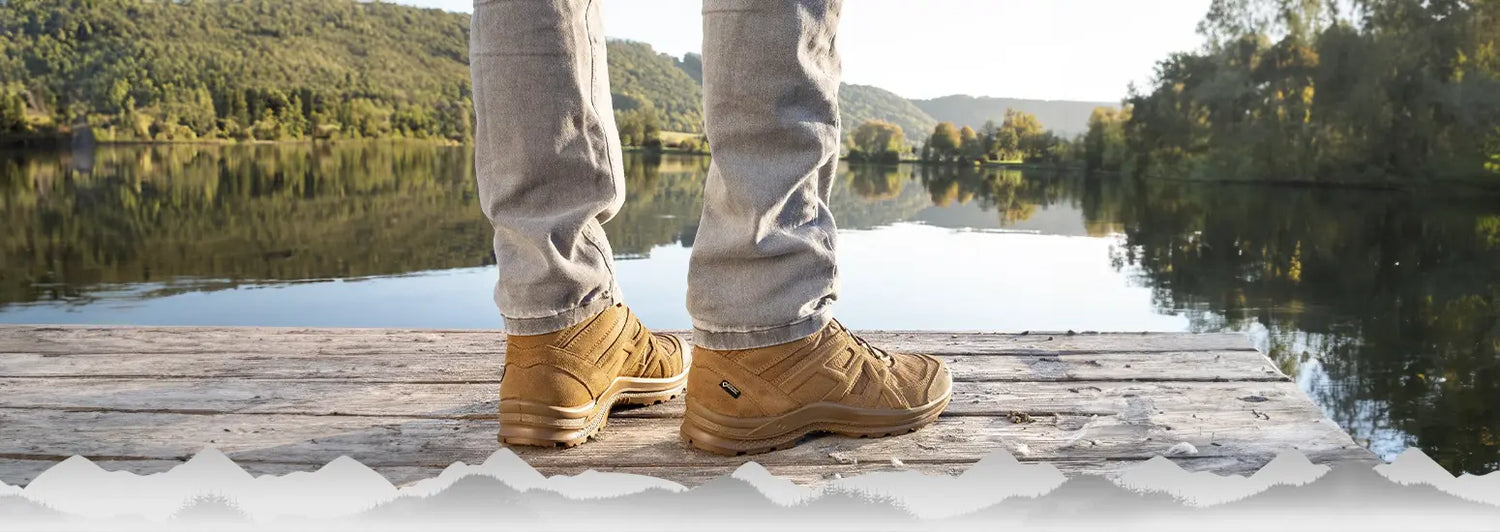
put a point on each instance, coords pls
(1039, 49)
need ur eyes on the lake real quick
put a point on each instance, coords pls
(1385, 306)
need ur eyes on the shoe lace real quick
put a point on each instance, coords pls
(878, 352)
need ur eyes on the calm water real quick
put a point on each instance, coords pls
(1385, 306)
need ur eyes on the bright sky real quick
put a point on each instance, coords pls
(1042, 49)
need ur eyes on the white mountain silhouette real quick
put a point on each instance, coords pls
(19, 513)
(1290, 468)
(1353, 496)
(342, 487)
(482, 502)
(1082, 502)
(1413, 466)
(600, 485)
(505, 466)
(1481, 488)
(1203, 488)
(994, 478)
(779, 490)
(998, 489)
(7, 489)
(1200, 488)
(79, 487)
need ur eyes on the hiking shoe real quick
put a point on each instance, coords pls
(760, 400)
(559, 387)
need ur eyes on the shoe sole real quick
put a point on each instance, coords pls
(733, 436)
(541, 425)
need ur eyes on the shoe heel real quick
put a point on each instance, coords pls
(538, 425)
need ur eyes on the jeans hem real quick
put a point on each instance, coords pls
(733, 341)
(560, 321)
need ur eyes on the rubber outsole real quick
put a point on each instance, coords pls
(538, 425)
(729, 436)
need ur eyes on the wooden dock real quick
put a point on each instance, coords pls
(409, 403)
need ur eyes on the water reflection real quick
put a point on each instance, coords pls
(1383, 304)
(222, 215)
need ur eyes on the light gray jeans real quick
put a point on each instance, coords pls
(548, 162)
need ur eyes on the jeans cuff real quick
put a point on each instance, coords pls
(559, 321)
(733, 341)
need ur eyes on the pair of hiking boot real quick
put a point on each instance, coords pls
(558, 388)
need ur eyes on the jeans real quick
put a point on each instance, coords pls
(548, 161)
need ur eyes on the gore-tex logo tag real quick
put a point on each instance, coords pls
(730, 389)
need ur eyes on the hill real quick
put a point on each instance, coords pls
(639, 74)
(639, 77)
(1066, 118)
(289, 69)
(861, 103)
(267, 69)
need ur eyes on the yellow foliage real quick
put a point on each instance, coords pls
(1488, 228)
(1294, 268)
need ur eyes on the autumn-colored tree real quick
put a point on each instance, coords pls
(945, 141)
(879, 140)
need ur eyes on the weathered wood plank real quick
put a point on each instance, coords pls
(277, 341)
(1136, 434)
(487, 368)
(479, 401)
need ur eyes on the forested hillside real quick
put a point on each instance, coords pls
(642, 79)
(862, 103)
(146, 70)
(264, 69)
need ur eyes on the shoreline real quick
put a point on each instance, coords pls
(1477, 183)
(67, 142)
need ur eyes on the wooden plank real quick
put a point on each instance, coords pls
(487, 368)
(1136, 434)
(66, 340)
(479, 401)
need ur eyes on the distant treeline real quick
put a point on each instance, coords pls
(1020, 138)
(1372, 91)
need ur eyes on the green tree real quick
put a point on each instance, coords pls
(639, 127)
(969, 145)
(12, 113)
(1300, 91)
(1105, 144)
(1008, 144)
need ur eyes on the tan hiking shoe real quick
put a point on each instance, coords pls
(559, 387)
(761, 400)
